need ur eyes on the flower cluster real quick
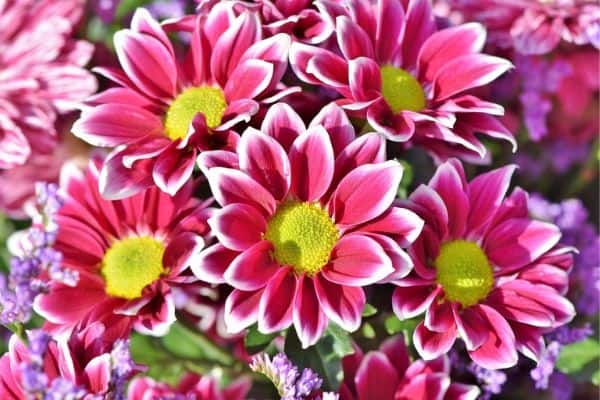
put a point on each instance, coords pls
(299, 199)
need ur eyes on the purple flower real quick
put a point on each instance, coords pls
(122, 368)
(545, 367)
(490, 381)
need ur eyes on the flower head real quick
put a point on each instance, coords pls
(308, 218)
(410, 81)
(484, 270)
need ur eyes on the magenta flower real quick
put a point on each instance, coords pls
(42, 74)
(410, 81)
(308, 218)
(484, 270)
(127, 254)
(191, 386)
(167, 110)
(388, 374)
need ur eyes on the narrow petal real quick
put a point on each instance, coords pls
(409, 302)
(499, 350)
(431, 386)
(238, 226)
(419, 26)
(335, 121)
(431, 345)
(342, 304)
(173, 168)
(212, 263)
(241, 310)
(352, 39)
(448, 184)
(248, 80)
(364, 78)
(309, 320)
(116, 181)
(277, 301)
(403, 225)
(376, 377)
(253, 268)
(283, 123)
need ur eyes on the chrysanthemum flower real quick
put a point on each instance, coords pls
(191, 386)
(410, 81)
(388, 374)
(127, 254)
(42, 74)
(307, 220)
(166, 110)
(484, 271)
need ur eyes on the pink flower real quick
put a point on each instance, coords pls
(388, 374)
(127, 254)
(42, 75)
(166, 110)
(410, 81)
(190, 387)
(308, 219)
(484, 270)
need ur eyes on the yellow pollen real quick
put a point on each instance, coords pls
(464, 272)
(302, 235)
(131, 264)
(208, 100)
(401, 90)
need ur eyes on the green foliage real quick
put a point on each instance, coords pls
(255, 341)
(581, 360)
(407, 178)
(369, 311)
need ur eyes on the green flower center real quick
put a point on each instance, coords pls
(302, 235)
(208, 100)
(464, 272)
(401, 90)
(131, 264)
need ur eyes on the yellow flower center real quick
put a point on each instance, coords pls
(208, 100)
(401, 90)
(302, 235)
(464, 272)
(131, 264)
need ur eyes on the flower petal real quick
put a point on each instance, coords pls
(499, 350)
(252, 269)
(241, 309)
(248, 80)
(238, 226)
(282, 123)
(342, 304)
(376, 377)
(277, 301)
(212, 263)
(309, 320)
(431, 345)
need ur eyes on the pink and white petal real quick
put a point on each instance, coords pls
(337, 124)
(388, 35)
(300, 55)
(499, 351)
(217, 158)
(365, 79)
(487, 125)
(400, 260)
(110, 125)
(396, 351)
(366, 149)
(116, 181)
(220, 17)
(143, 22)
(312, 163)
(448, 184)
(397, 127)
(403, 225)
(431, 345)
(428, 204)
(530, 340)
(248, 80)
(419, 26)
(273, 50)
(341, 304)
(231, 186)
(263, 159)
(156, 319)
(97, 372)
(238, 226)
(282, 123)
(173, 168)
(277, 301)
(352, 39)
(440, 317)
(309, 320)
(365, 193)
(515, 307)
(467, 72)
(430, 386)
(357, 260)
(238, 111)
(411, 301)
(469, 322)
(460, 391)
(449, 44)
(145, 149)
(253, 268)
(212, 263)
(241, 310)
(197, 62)
(518, 241)
(182, 252)
(376, 378)
(329, 69)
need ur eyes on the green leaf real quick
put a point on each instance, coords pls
(407, 178)
(145, 350)
(188, 344)
(128, 6)
(369, 311)
(596, 377)
(255, 341)
(342, 345)
(574, 357)
(368, 331)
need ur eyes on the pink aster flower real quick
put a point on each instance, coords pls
(191, 386)
(127, 254)
(484, 271)
(410, 81)
(42, 74)
(388, 374)
(166, 110)
(307, 219)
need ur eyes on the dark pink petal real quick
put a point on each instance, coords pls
(220, 17)
(403, 225)
(143, 22)
(352, 39)
(232, 186)
(173, 168)
(486, 193)
(283, 123)
(459, 391)
(487, 125)
(533, 33)
(376, 377)
(448, 184)
(467, 72)
(390, 23)
(409, 302)
(431, 344)
(212, 263)
(401, 261)
(365, 79)
(248, 80)
(342, 304)
(263, 158)
(300, 55)
(530, 340)
(277, 301)
(516, 242)
(238, 111)
(357, 260)
(419, 26)
(241, 310)
(365, 193)
(311, 160)
(428, 204)
(158, 315)
(329, 69)
(366, 149)
(238, 389)
(110, 125)
(197, 62)
(439, 317)
(97, 372)
(217, 158)
(448, 44)
(396, 351)
(499, 350)
(116, 181)
(431, 386)
(469, 322)
(253, 268)
(123, 95)
(274, 50)
(238, 226)
(182, 252)
(309, 320)
(338, 126)
(397, 127)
